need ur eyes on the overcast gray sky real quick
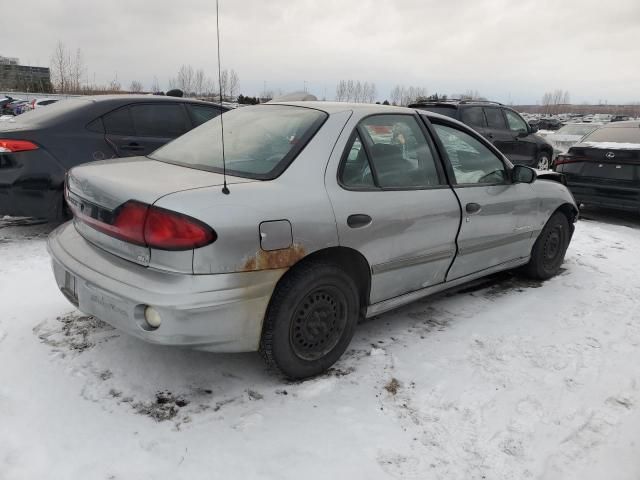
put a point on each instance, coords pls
(508, 50)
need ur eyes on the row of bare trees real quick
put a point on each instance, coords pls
(403, 96)
(195, 83)
(356, 91)
(552, 101)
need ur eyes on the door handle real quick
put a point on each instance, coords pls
(358, 220)
(132, 146)
(472, 208)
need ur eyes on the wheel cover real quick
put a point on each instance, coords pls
(318, 323)
(543, 163)
(553, 246)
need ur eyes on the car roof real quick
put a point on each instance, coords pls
(140, 98)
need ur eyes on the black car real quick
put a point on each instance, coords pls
(40, 146)
(502, 126)
(604, 168)
(546, 123)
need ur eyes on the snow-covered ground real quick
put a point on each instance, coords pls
(509, 379)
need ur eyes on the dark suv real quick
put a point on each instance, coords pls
(501, 125)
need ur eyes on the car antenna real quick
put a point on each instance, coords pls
(225, 188)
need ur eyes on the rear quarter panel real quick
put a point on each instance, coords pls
(298, 195)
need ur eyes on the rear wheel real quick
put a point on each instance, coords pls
(548, 252)
(310, 320)
(543, 161)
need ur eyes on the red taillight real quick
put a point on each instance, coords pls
(169, 230)
(562, 159)
(141, 224)
(12, 146)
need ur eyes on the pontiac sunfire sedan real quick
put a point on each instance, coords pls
(334, 212)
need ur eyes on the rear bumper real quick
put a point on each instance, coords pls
(618, 198)
(221, 312)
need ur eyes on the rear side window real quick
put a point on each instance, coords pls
(473, 116)
(119, 122)
(202, 113)
(166, 120)
(495, 118)
(356, 170)
(390, 151)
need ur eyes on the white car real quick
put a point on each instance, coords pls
(563, 139)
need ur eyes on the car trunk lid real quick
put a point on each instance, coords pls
(96, 191)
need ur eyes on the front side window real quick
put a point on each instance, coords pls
(259, 141)
(495, 118)
(472, 162)
(516, 124)
(398, 153)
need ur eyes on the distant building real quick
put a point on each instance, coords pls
(14, 76)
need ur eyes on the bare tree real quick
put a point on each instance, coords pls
(60, 68)
(234, 84)
(155, 87)
(401, 95)
(136, 87)
(341, 91)
(198, 82)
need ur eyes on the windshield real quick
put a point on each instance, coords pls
(626, 134)
(259, 142)
(576, 129)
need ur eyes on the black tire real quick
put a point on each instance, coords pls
(548, 252)
(310, 320)
(543, 161)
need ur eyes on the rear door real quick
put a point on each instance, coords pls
(139, 129)
(497, 131)
(474, 117)
(498, 217)
(392, 203)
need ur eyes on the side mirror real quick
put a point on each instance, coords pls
(522, 174)
(533, 129)
(522, 133)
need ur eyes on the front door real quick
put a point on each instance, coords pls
(524, 147)
(497, 132)
(498, 216)
(392, 203)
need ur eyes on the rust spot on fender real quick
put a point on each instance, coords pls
(265, 260)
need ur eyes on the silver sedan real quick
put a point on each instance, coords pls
(331, 212)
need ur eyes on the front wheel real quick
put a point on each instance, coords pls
(310, 320)
(543, 161)
(548, 252)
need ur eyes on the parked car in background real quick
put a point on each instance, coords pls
(4, 101)
(620, 118)
(40, 146)
(547, 123)
(568, 135)
(14, 107)
(502, 126)
(387, 205)
(604, 168)
(42, 102)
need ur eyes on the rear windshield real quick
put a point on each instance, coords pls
(626, 134)
(573, 129)
(259, 142)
